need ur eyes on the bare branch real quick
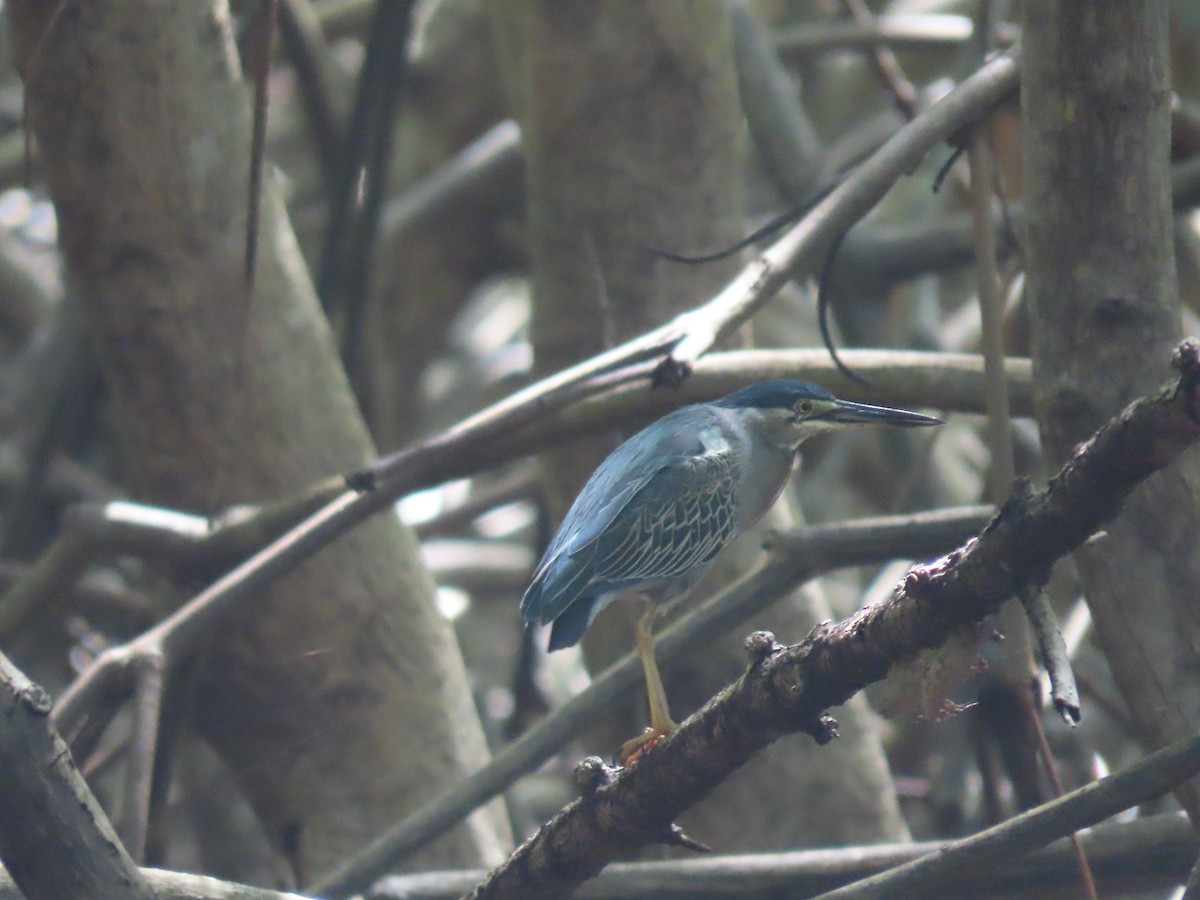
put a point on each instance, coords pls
(1055, 657)
(54, 838)
(804, 247)
(191, 544)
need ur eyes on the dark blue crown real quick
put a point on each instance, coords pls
(779, 393)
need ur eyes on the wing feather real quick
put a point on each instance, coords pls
(651, 512)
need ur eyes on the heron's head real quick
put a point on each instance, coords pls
(790, 411)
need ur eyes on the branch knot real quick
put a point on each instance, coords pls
(1186, 361)
(671, 372)
(760, 645)
(593, 773)
(823, 728)
(34, 697)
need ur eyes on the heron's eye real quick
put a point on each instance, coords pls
(804, 407)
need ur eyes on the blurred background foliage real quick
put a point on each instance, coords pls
(432, 307)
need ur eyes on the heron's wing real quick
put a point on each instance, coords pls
(680, 519)
(617, 480)
(659, 506)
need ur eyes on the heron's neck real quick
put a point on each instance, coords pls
(769, 459)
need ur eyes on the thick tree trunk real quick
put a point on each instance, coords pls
(340, 699)
(1101, 287)
(631, 127)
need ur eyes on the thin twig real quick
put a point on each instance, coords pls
(823, 304)
(344, 287)
(1055, 657)
(195, 544)
(139, 775)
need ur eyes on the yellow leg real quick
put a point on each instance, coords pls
(661, 723)
(660, 713)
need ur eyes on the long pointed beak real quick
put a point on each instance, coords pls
(848, 413)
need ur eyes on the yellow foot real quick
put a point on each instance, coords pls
(632, 749)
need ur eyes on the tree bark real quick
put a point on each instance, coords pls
(631, 127)
(1101, 288)
(339, 699)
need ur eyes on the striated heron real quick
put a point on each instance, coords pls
(654, 515)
